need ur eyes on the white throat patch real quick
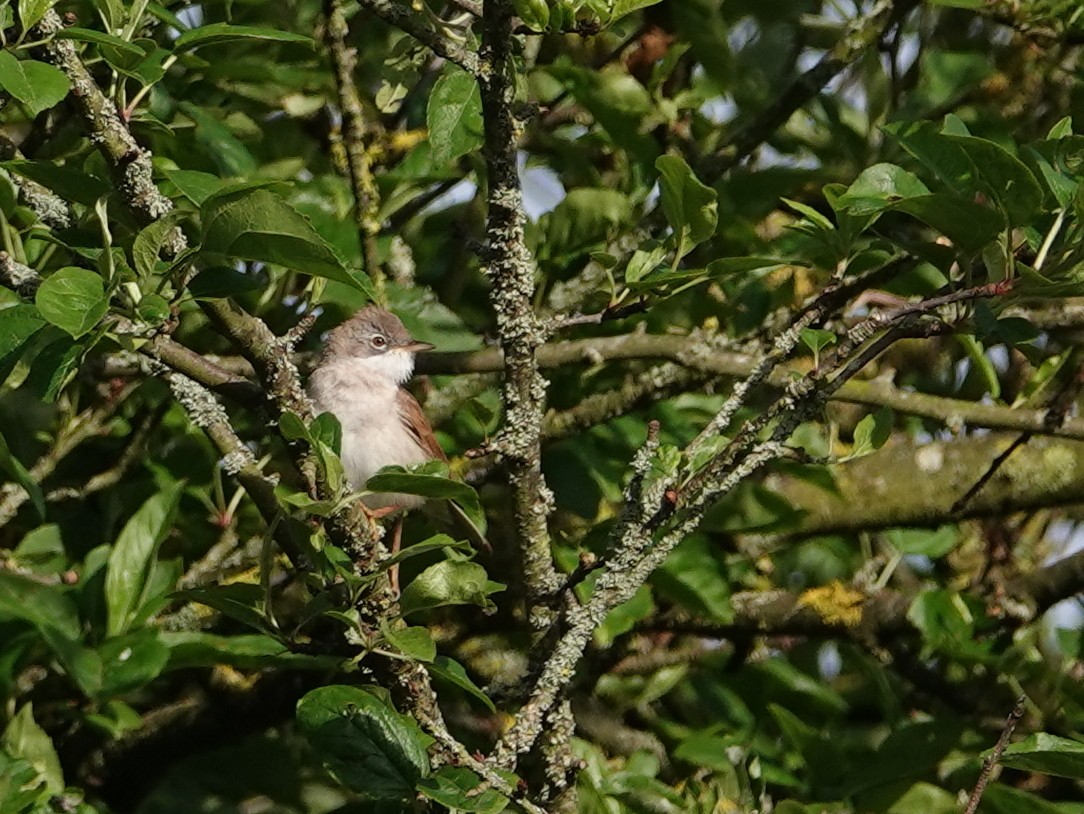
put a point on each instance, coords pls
(396, 365)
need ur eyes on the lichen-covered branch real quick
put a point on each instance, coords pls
(660, 514)
(238, 461)
(710, 356)
(1046, 472)
(366, 196)
(511, 268)
(130, 163)
(405, 18)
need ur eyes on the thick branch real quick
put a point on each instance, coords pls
(707, 355)
(520, 332)
(908, 485)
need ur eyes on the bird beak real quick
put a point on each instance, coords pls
(416, 346)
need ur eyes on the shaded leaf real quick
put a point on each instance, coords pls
(691, 208)
(369, 747)
(71, 184)
(19, 474)
(41, 605)
(242, 601)
(452, 671)
(221, 33)
(462, 790)
(1046, 754)
(256, 224)
(132, 557)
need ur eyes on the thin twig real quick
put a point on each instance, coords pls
(994, 756)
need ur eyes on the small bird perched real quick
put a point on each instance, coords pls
(359, 379)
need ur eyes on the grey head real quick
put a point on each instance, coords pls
(371, 332)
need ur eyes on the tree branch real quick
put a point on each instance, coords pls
(864, 33)
(403, 17)
(520, 332)
(366, 196)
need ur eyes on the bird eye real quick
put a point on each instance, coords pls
(378, 341)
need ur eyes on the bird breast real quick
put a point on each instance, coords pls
(373, 432)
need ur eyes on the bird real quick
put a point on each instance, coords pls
(359, 378)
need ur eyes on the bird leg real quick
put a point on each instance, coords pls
(396, 542)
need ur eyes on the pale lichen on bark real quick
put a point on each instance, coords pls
(520, 331)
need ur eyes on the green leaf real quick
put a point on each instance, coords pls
(462, 790)
(1004, 177)
(231, 156)
(148, 243)
(133, 661)
(694, 576)
(369, 747)
(397, 479)
(871, 433)
(619, 104)
(448, 583)
(68, 183)
(1001, 799)
(23, 738)
(434, 543)
(19, 474)
(17, 325)
(691, 208)
(326, 429)
(133, 555)
(1046, 754)
(454, 116)
(534, 13)
(967, 224)
(812, 215)
(32, 11)
(622, 8)
(73, 299)
(971, 165)
(101, 38)
(256, 224)
(43, 606)
(37, 85)
(220, 33)
(242, 601)
(942, 617)
(817, 339)
(53, 367)
(643, 262)
(933, 543)
(414, 642)
(452, 671)
(1061, 130)
(878, 187)
(194, 185)
(247, 652)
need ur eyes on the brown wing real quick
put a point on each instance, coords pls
(415, 422)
